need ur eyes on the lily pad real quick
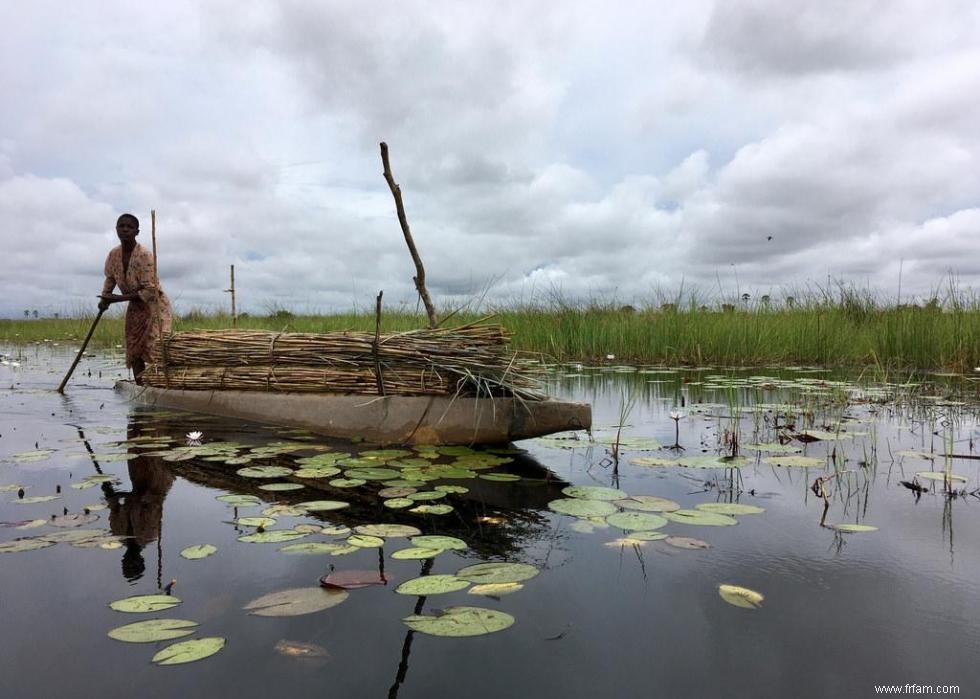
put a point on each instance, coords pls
(439, 542)
(33, 499)
(30, 456)
(347, 482)
(700, 518)
(426, 495)
(239, 500)
(33, 524)
(255, 521)
(21, 545)
(397, 492)
(582, 508)
(500, 477)
(264, 471)
(459, 622)
(388, 530)
(495, 589)
(398, 503)
(432, 585)
(364, 541)
(72, 520)
(198, 551)
(322, 505)
(452, 489)
(153, 630)
(189, 651)
(414, 553)
(637, 521)
(740, 596)
(729, 508)
(431, 509)
(648, 535)
(712, 461)
(274, 536)
(497, 572)
(317, 472)
(647, 503)
(281, 487)
(372, 474)
(594, 492)
(849, 528)
(284, 511)
(296, 601)
(353, 579)
(139, 604)
(653, 461)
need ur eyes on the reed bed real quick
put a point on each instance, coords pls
(875, 336)
(469, 360)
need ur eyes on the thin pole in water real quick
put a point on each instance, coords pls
(64, 382)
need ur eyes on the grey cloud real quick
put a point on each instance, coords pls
(812, 36)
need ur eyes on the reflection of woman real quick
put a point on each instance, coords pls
(138, 514)
(130, 266)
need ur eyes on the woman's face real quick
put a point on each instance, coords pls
(127, 230)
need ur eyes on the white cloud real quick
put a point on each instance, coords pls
(600, 151)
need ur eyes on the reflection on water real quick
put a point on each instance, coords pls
(611, 613)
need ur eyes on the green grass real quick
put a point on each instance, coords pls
(830, 335)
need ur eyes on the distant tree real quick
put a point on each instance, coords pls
(765, 300)
(35, 313)
(745, 297)
(27, 314)
(790, 301)
(56, 316)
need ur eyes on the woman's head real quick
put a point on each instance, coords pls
(127, 228)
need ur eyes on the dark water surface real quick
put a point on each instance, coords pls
(842, 612)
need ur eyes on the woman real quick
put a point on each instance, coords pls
(130, 267)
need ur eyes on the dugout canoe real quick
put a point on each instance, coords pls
(386, 420)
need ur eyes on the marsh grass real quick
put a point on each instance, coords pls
(884, 339)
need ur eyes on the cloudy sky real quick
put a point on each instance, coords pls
(577, 150)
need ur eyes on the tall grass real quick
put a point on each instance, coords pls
(856, 333)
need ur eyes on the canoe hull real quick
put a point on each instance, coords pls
(387, 420)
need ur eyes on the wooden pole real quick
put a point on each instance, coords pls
(419, 277)
(64, 382)
(156, 276)
(153, 236)
(377, 344)
(234, 316)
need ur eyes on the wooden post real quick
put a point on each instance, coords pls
(234, 316)
(419, 277)
(159, 319)
(376, 347)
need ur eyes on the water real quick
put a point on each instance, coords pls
(842, 612)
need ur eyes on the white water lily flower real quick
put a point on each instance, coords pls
(676, 414)
(194, 437)
(610, 356)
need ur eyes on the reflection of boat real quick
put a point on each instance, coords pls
(382, 419)
(495, 518)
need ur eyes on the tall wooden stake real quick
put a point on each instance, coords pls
(234, 316)
(419, 277)
(156, 276)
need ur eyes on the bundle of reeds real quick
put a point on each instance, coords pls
(297, 379)
(474, 359)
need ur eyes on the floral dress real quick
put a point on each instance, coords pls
(147, 316)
